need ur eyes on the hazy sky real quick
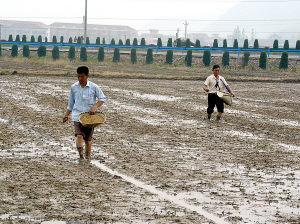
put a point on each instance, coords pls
(139, 14)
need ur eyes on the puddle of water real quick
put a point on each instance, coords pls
(161, 194)
(4, 120)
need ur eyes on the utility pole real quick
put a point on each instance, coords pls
(85, 22)
(185, 29)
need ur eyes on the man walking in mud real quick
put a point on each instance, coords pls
(84, 96)
(212, 84)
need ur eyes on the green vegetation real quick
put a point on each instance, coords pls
(0, 50)
(197, 43)
(275, 44)
(61, 39)
(54, 39)
(101, 54)
(298, 45)
(170, 43)
(224, 43)
(127, 42)
(188, 58)
(83, 54)
(98, 40)
(14, 50)
(24, 38)
(245, 59)
(120, 42)
(40, 39)
(116, 57)
(46, 39)
(246, 44)
(71, 54)
(286, 45)
(188, 43)
(215, 44)
(235, 43)
(55, 53)
(17, 38)
(133, 57)
(70, 40)
(225, 58)
(79, 40)
(159, 42)
(103, 40)
(178, 43)
(26, 51)
(10, 38)
(206, 58)
(256, 45)
(32, 39)
(135, 42)
(143, 42)
(169, 57)
(87, 41)
(112, 42)
(263, 60)
(149, 56)
(41, 51)
(284, 61)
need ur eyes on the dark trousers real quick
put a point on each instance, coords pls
(214, 100)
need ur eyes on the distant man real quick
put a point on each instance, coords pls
(84, 96)
(213, 83)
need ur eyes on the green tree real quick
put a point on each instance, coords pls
(284, 61)
(225, 58)
(112, 42)
(169, 57)
(235, 43)
(143, 42)
(87, 41)
(61, 39)
(83, 54)
(14, 50)
(206, 58)
(263, 60)
(245, 59)
(188, 58)
(256, 45)
(135, 42)
(26, 51)
(198, 43)
(10, 38)
(188, 43)
(46, 39)
(275, 44)
(17, 38)
(32, 39)
(98, 40)
(286, 45)
(103, 40)
(79, 40)
(54, 39)
(116, 57)
(55, 53)
(133, 56)
(298, 45)
(40, 39)
(71, 54)
(170, 43)
(159, 42)
(149, 56)
(246, 44)
(215, 44)
(224, 43)
(101, 54)
(24, 38)
(41, 51)
(70, 40)
(127, 42)
(178, 43)
(120, 42)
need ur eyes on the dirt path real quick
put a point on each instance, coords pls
(156, 159)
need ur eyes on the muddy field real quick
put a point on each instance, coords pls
(155, 160)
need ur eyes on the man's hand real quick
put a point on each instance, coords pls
(65, 118)
(93, 110)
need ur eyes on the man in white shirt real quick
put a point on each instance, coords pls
(212, 84)
(84, 96)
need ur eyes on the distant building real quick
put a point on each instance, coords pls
(21, 28)
(108, 32)
(152, 37)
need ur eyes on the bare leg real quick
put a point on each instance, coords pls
(88, 149)
(79, 145)
(219, 116)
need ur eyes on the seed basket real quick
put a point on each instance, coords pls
(91, 121)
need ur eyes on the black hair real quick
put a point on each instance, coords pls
(215, 66)
(83, 69)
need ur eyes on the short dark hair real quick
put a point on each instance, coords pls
(83, 69)
(215, 66)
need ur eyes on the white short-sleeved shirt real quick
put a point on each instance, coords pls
(211, 82)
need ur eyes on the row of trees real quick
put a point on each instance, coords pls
(170, 43)
(149, 56)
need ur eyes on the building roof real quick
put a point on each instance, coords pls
(23, 24)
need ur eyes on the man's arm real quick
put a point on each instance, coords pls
(205, 88)
(94, 108)
(66, 116)
(232, 93)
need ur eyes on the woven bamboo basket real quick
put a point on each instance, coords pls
(91, 121)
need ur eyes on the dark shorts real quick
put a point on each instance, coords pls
(87, 133)
(214, 100)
